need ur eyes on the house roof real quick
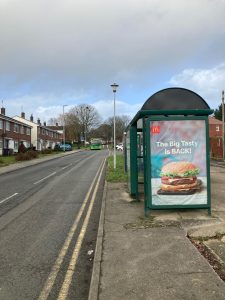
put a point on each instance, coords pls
(54, 127)
(3, 117)
(214, 121)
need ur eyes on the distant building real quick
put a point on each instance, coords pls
(42, 137)
(12, 134)
(215, 136)
(56, 127)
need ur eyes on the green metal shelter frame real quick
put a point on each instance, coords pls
(179, 104)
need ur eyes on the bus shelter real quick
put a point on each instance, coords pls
(167, 151)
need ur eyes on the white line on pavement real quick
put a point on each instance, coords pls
(45, 178)
(8, 198)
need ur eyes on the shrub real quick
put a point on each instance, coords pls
(46, 151)
(32, 154)
(22, 156)
(26, 156)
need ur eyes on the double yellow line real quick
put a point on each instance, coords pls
(71, 268)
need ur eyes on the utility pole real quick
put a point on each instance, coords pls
(64, 134)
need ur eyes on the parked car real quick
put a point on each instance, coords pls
(66, 146)
(63, 147)
(119, 147)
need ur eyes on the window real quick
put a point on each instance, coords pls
(16, 127)
(28, 144)
(1, 124)
(28, 131)
(22, 129)
(7, 125)
(217, 128)
(16, 145)
(1, 144)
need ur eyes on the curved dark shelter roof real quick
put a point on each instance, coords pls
(175, 99)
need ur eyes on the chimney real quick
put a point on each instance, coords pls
(31, 118)
(39, 121)
(23, 115)
(44, 123)
(3, 111)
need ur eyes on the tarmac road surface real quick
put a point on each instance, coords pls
(49, 216)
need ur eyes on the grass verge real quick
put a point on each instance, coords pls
(7, 160)
(118, 174)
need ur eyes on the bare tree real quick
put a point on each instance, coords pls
(121, 123)
(104, 131)
(54, 121)
(81, 119)
(72, 127)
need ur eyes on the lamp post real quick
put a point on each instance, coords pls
(223, 122)
(64, 136)
(85, 126)
(114, 87)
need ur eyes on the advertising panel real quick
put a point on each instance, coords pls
(178, 162)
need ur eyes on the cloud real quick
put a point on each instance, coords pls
(58, 45)
(208, 83)
(69, 52)
(106, 108)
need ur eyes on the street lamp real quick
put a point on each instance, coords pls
(85, 125)
(114, 87)
(223, 122)
(64, 136)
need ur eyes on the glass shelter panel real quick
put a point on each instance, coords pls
(178, 162)
(127, 149)
(140, 160)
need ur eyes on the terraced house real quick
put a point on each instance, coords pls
(42, 137)
(12, 133)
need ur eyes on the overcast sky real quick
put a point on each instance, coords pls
(69, 52)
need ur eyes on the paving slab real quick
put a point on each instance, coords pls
(217, 247)
(208, 231)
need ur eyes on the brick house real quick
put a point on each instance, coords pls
(12, 134)
(56, 127)
(215, 137)
(42, 137)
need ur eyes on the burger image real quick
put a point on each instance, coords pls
(179, 177)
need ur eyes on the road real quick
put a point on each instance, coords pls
(49, 217)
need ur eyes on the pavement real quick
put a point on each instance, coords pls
(138, 257)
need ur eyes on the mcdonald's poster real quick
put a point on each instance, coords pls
(178, 162)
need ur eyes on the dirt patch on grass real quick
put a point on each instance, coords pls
(218, 267)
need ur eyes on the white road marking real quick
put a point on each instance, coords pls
(66, 167)
(56, 267)
(70, 271)
(45, 178)
(8, 198)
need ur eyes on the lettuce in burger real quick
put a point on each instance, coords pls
(179, 176)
